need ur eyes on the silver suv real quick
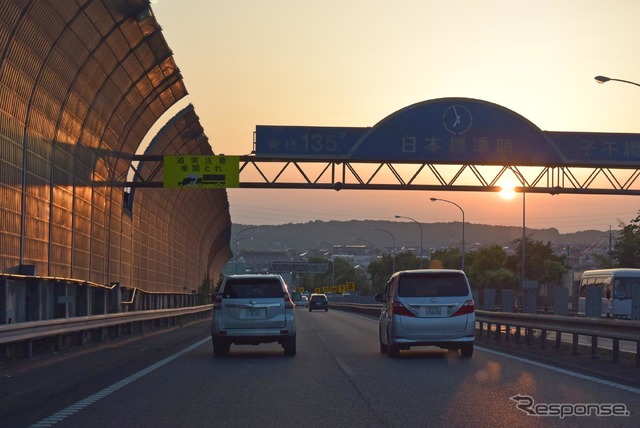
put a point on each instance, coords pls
(427, 307)
(253, 309)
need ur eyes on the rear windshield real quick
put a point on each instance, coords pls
(318, 298)
(249, 288)
(432, 285)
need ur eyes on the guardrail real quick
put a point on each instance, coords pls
(596, 328)
(28, 298)
(28, 332)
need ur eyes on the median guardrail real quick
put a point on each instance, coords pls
(28, 332)
(521, 326)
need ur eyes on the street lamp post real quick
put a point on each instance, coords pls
(418, 223)
(604, 79)
(510, 191)
(235, 265)
(333, 263)
(461, 210)
(393, 249)
(238, 236)
(524, 245)
(235, 251)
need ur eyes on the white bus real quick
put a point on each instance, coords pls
(616, 286)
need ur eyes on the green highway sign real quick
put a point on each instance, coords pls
(207, 172)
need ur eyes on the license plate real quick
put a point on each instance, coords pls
(253, 313)
(431, 311)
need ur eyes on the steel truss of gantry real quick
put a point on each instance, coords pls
(276, 173)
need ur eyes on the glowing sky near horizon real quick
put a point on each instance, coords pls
(354, 62)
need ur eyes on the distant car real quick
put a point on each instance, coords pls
(430, 307)
(303, 302)
(318, 301)
(253, 309)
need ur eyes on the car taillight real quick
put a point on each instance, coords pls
(397, 308)
(467, 308)
(217, 301)
(288, 304)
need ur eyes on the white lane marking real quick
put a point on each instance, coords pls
(74, 408)
(549, 367)
(345, 368)
(564, 371)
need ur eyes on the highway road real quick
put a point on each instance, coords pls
(337, 379)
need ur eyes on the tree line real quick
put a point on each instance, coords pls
(487, 267)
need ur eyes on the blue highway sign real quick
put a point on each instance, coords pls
(449, 130)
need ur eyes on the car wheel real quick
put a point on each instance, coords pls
(326, 309)
(221, 349)
(393, 351)
(383, 347)
(289, 347)
(467, 350)
(309, 309)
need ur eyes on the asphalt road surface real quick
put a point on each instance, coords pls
(337, 379)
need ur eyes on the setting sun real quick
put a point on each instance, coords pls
(508, 191)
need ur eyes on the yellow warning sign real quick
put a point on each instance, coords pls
(207, 172)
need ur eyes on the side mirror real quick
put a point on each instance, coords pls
(379, 298)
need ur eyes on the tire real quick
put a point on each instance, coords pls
(221, 349)
(393, 351)
(326, 309)
(289, 347)
(467, 350)
(383, 347)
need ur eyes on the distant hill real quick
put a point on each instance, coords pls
(303, 236)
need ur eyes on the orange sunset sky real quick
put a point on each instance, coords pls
(354, 62)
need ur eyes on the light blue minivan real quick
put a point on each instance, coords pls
(427, 307)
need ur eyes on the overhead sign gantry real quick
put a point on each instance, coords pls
(451, 130)
(450, 144)
(444, 144)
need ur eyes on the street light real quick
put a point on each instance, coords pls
(235, 251)
(524, 245)
(461, 210)
(238, 235)
(604, 79)
(235, 265)
(418, 223)
(393, 249)
(333, 263)
(508, 193)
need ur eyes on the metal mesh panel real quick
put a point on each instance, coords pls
(19, 86)
(99, 16)
(33, 36)
(81, 233)
(83, 26)
(187, 256)
(97, 80)
(61, 231)
(66, 9)
(69, 53)
(24, 59)
(10, 223)
(132, 32)
(45, 101)
(43, 19)
(11, 11)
